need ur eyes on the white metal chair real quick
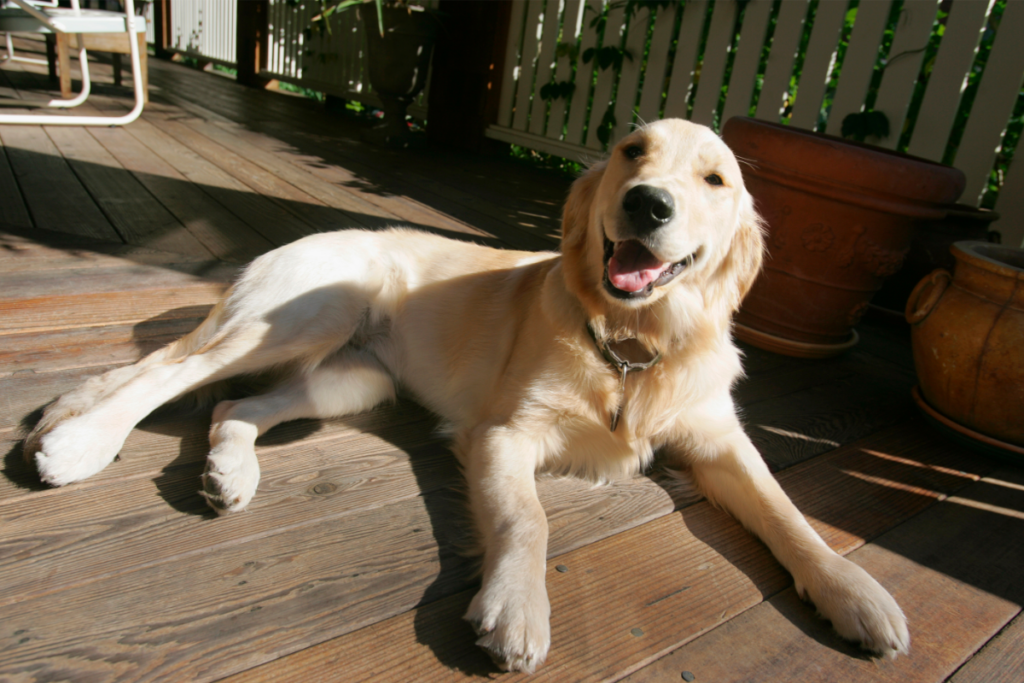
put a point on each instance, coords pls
(27, 18)
(10, 56)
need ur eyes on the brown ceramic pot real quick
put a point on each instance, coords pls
(930, 249)
(968, 340)
(840, 218)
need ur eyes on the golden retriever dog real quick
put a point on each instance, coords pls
(585, 362)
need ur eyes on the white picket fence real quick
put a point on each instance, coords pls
(568, 127)
(333, 63)
(204, 29)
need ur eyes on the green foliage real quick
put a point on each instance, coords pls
(546, 161)
(568, 50)
(299, 90)
(604, 129)
(323, 25)
(554, 91)
(608, 56)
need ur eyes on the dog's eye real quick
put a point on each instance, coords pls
(634, 152)
(713, 179)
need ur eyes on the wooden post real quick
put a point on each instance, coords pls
(162, 29)
(465, 84)
(251, 42)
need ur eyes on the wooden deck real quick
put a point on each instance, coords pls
(345, 567)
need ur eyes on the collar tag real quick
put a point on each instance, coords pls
(625, 356)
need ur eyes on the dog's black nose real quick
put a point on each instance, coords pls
(648, 208)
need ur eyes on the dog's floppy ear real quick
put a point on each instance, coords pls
(576, 215)
(742, 263)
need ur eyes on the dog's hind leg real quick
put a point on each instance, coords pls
(84, 444)
(273, 317)
(350, 382)
(95, 389)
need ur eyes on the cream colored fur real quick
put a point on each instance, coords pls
(495, 342)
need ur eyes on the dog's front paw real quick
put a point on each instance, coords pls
(72, 451)
(858, 607)
(513, 625)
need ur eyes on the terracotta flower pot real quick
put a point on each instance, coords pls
(930, 249)
(398, 63)
(840, 218)
(968, 340)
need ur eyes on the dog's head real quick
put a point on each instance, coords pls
(666, 218)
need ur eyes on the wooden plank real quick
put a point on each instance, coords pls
(527, 64)
(942, 97)
(942, 568)
(44, 249)
(219, 230)
(114, 279)
(629, 75)
(50, 188)
(355, 211)
(903, 65)
(584, 74)
(828, 23)
(657, 64)
(512, 55)
(266, 218)
(44, 313)
(419, 202)
(684, 67)
(12, 209)
(686, 574)
(305, 210)
(602, 98)
(716, 52)
(571, 24)
(858, 64)
(993, 104)
(788, 28)
(137, 216)
(1000, 661)
(90, 346)
(808, 422)
(748, 56)
(545, 66)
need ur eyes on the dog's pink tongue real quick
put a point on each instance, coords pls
(632, 267)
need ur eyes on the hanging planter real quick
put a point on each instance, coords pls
(840, 218)
(398, 62)
(967, 332)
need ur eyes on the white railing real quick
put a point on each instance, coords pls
(549, 38)
(204, 29)
(331, 62)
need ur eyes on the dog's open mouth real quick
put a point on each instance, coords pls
(631, 271)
